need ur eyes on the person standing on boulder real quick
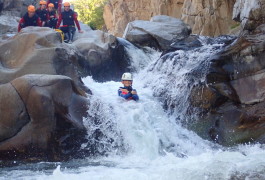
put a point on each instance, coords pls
(42, 12)
(127, 92)
(29, 19)
(69, 18)
(51, 16)
(57, 5)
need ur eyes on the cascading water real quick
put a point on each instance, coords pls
(141, 140)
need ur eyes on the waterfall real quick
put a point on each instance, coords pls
(147, 140)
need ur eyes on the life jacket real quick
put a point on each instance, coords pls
(68, 18)
(42, 14)
(33, 21)
(55, 2)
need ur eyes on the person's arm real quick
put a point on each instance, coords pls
(59, 21)
(125, 96)
(20, 24)
(134, 95)
(77, 23)
(39, 22)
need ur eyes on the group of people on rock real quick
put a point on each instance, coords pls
(49, 14)
(46, 16)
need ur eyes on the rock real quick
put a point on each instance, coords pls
(42, 118)
(104, 53)
(8, 24)
(160, 32)
(232, 124)
(118, 13)
(206, 97)
(37, 50)
(237, 73)
(242, 66)
(43, 100)
(210, 18)
(249, 13)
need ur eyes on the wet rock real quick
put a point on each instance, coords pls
(43, 100)
(42, 118)
(104, 53)
(236, 73)
(160, 32)
(206, 97)
(233, 124)
(250, 13)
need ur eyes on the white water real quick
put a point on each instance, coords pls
(147, 144)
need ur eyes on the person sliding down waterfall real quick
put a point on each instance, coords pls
(69, 18)
(127, 92)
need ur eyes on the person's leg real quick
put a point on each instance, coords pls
(71, 33)
(53, 23)
(66, 33)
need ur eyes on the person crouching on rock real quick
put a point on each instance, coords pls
(69, 18)
(127, 92)
(29, 19)
(51, 16)
(42, 12)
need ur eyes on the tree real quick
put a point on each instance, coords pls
(90, 12)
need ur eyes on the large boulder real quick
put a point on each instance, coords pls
(104, 53)
(37, 50)
(43, 100)
(236, 76)
(160, 32)
(118, 13)
(250, 13)
(41, 118)
(8, 24)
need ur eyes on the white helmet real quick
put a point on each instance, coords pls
(126, 76)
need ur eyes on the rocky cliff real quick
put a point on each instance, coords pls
(206, 17)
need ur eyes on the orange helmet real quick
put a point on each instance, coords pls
(66, 4)
(31, 8)
(51, 5)
(43, 2)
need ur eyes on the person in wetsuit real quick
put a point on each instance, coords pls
(51, 17)
(42, 12)
(127, 92)
(57, 5)
(69, 18)
(29, 19)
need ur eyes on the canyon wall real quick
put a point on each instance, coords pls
(206, 17)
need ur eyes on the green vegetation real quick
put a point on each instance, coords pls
(90, 12)
(235, 25)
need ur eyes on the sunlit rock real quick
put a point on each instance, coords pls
(160, 32)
